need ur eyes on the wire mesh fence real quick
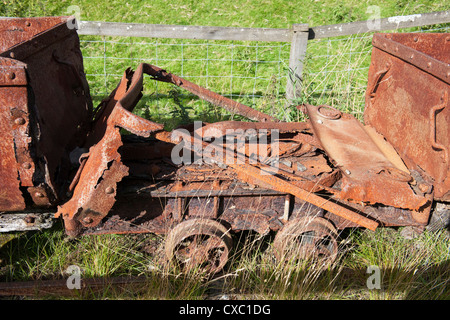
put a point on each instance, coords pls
(336, 70)
(254, 73)
(249, 72)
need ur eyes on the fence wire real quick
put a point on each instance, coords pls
(336, 70)
(254, 73)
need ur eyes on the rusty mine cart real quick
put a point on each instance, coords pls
(300, 181)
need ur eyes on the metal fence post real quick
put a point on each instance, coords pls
(296, 57)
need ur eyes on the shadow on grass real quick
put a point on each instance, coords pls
(344, 283)
(251, 274)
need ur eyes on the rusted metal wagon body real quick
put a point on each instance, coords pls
(201, 183)
(45, 111)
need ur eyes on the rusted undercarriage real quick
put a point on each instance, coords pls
(302, 180)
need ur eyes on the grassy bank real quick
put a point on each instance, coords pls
(239, 13)
(253, 73)
(408, 269)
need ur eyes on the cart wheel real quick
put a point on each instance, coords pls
(306, 238)
(199, 244)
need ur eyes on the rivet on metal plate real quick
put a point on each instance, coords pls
(26, 165)
(329, 112)
(109, 190)
(19, 121)
(87, 220)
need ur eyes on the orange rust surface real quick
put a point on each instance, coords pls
(408, 104)
(261, 174)
(368, 175)
(94, 195)
(332, 161)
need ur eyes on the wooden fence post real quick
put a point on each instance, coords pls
(296, 58)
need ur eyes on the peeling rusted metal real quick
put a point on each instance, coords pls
(94, 195)
(261, 175)
(372, 174)
(13, 95)
(220, 129)
(46, 93)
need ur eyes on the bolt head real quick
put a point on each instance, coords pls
(424, 187)
(19, 121)
(26, 165)
(109, 190)
(87, 220)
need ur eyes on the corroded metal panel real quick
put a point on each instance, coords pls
(407, 101)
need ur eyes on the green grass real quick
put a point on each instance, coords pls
(252, 73)
(240, 13)
(255, 74)
(409, 269)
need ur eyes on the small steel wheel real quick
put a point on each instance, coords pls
(200, 244)
(306, 238)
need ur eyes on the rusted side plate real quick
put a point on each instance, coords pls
(368, 175)
(22, 29)
(22, 134)
(13, 74)
(434, 45)
(428, 52)
(59, 109)
(94, 195)
(16, 168)
(407, 101)
(10, 195)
